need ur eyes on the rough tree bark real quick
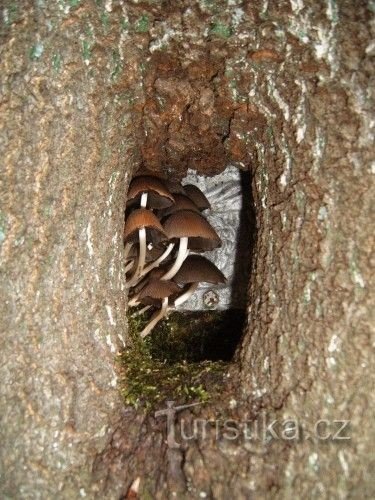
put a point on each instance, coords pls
(89, 92)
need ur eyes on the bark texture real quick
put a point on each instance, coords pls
(91, 91)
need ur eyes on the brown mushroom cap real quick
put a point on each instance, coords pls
(142, 218)
(182, 202)
(155, 252)
(155, 290)
(158, 194)
(175, 187)
(199, 269)
(132, 253)
(190, 224)
(151, 255)
(145, 171)
(195, 194)
(155, 274)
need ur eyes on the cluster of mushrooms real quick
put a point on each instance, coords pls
(165, 235)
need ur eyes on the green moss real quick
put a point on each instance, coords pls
(221, 30)
(142, 25)
(104, 19)
(56, 61)
(2, 227)
(89, 31)
(128, 97)
(116, 65)
(10, 14)
(178, 361)
(124, 23)
(36, 51)
(86, 50)
(143, 68)
(209, 4)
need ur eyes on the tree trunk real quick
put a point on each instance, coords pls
(90, 91)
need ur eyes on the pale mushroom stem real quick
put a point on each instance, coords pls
(144, 200)
(127, 249)
(186, 295)
(155, 318)
(158, 261)
(141, 258)
(129, 266)
(141, 311)
(181, 256)
(133, 301)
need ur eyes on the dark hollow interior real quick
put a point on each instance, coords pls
(203, 336)
(210, 335)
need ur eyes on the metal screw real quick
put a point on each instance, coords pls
(210, 299)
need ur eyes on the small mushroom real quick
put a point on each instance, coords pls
(157, 261)
(182, 202)
(153, 254)
(137, 288)
(129, 265)
(149, 190)
(174, 187)
(194, 270)
(138, 222)
(196, 195)
(188, 226)
(157, 292)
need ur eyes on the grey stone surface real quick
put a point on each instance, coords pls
(228, 215)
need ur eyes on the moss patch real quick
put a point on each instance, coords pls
(221, 30)
(184, 359)
(143, 24)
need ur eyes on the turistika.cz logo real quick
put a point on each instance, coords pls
(262, 429)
